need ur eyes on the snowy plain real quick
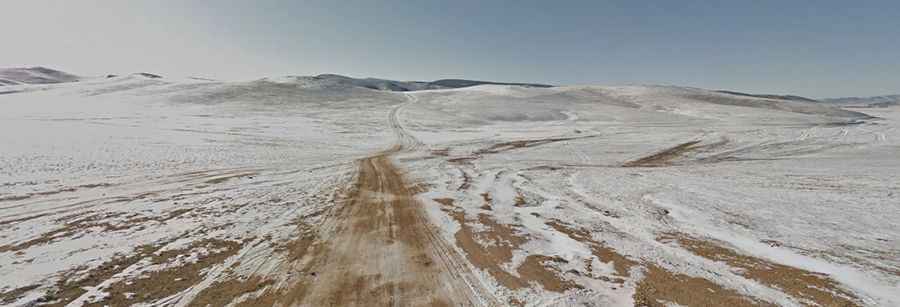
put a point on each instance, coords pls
(568, 196)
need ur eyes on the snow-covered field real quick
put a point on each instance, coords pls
(156, 191)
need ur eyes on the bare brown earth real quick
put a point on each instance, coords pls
(659, 286)
(11, 296)
(506, 146)
(377, 249)
(67, 290)
(92, 222)
(172, 277)
(491, 246)
(808, 287)
(224, 292)
(663, 157)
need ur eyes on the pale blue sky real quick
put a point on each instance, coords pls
(812, 48)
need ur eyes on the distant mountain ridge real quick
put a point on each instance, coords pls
(43, 75)
(392, 85)
(873, 101)
(34, 75)
(459, 83)
(770, 96)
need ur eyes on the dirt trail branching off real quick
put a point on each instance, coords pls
(506, 146)
(663, 157)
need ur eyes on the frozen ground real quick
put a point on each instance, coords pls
(297, 191)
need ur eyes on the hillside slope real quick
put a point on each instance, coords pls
(310, 191)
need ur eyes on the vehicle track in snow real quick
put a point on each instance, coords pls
(384, 251)
(405, 140)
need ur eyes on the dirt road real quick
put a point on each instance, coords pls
(383, 251)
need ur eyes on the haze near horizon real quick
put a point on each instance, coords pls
(829, 49)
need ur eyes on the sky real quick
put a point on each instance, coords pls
(813, 48)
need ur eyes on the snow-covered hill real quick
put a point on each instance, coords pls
(146, 189)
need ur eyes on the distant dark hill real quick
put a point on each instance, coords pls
(43, 75)
(874, 101)
(459, 83)
(34, 75)
(148, 75)
(336, 81)
(769, 96)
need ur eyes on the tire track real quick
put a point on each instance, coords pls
(405, 140)
(384, 251)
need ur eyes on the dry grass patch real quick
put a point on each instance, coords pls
(501, 239)
(809, 287)
(507, 146)
(621, 264)
(11, 296)
(224, 292)
(540, 268)
(70, 288)
(154, 285)
(443, 152)
(491, 248)
(660, 286)
(663, 157)
(96, 222)
(488, 201)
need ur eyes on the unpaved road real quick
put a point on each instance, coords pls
(383, 251)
